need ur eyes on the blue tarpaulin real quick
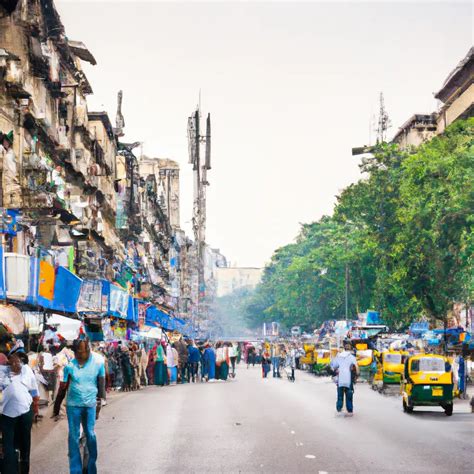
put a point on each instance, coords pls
(373, 317)
(67, 288)
(154, 315)
(419, 327)
(132, 311)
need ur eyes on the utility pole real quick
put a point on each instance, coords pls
(195, 140)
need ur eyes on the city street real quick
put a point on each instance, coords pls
(254, 425)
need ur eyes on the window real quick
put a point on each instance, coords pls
(393, 358)
(428, 364)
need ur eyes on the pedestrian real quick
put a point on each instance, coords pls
(266, 363)
(142, 366)
(47, 369)
(219, 359)
(250, 356)
(225, 363)
(19, 409)
(127, 370)
(161, 369)
(84, 383)
(194, 356)
(150, 367)
(291, 361)
(182, 349)
(209, 360)
(275, 355)
(239, 352)
(172, 364)
(345, 366)
(233, 356)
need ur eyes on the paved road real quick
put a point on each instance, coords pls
(254, 425)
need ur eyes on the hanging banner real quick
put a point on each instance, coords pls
(90, 297)
(66, 291)
(46, 280)
(142, 306)
(118, 302)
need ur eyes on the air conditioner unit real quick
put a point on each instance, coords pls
(17, 276)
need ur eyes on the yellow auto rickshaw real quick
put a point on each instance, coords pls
(322, 362)
(427, 381)
(365, 361)
(307, 360)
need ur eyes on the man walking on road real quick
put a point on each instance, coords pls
(84, 383)
(345, 364)
(275, 353)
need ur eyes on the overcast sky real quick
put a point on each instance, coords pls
(291, 88)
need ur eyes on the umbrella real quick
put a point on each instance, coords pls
(12, 318)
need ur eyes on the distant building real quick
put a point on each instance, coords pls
(230, 279)
(418, 129)
(457, 93)
(457, 98)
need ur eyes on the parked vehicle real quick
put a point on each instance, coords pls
(390, 366)
(427, 381)
(322, 361)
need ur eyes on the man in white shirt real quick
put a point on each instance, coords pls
(345, 364)
(19, 403)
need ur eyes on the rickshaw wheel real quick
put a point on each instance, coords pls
(448, 409)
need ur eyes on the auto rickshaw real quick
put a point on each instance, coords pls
(307, 360)
(390, 366)
(322, 362)
(427, 381)
(365, 360)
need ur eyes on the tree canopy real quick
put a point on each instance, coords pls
(404, 233)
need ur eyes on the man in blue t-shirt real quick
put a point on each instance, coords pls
(84, 384)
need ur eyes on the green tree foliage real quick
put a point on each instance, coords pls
(405, 232)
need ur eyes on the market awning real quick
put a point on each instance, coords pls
(67, 288)
(154, 316)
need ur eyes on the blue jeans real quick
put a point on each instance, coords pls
(75, 417)
(348, 392)
(276, 366)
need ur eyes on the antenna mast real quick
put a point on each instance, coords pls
(200, 168)
(383, 123)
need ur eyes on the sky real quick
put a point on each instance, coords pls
(291, 88)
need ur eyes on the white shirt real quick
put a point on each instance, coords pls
(343, 362)
(47, 361)
(17, 397)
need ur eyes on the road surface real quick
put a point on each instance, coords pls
(252, 425)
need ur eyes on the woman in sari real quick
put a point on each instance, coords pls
(209, 359)
(150, 368)
(225, 361)
(160, 367)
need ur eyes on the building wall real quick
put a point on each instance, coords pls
(230, 279)
(449, 113)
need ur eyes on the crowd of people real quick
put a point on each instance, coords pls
(85, 373)
(274, 357)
